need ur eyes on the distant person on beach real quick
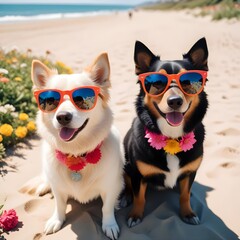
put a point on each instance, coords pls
(130, 15)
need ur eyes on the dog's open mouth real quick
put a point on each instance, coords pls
(68, 134)
(174, 118)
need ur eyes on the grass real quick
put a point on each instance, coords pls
(218, 9)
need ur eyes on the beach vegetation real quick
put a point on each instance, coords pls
(218, 9)
(18, 107)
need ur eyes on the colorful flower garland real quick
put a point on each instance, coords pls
(171, 146)
(78, 163)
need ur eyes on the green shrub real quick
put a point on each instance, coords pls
(18, 107)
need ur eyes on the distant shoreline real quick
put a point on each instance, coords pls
(13, 13)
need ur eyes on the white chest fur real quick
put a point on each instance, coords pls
(173, 165)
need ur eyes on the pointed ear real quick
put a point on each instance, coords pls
(100, 70)
(143, 58)
(198, 54)
(40, 74)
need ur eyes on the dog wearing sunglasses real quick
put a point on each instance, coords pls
(164, 146)
(81, 148)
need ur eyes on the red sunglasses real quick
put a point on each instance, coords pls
(190, 82)
(83, 98)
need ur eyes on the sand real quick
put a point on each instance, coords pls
(76, 42)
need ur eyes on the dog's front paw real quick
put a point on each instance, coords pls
(133, 221)
(111, 230)
(53, 225)
(191, 219)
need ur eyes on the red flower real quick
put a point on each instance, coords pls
(8, 220)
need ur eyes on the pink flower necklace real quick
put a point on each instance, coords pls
(76, 164)
(171, 146)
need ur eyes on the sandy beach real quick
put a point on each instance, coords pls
(76, 42)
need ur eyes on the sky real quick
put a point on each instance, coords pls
(128, 2)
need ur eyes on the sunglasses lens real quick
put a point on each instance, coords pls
(48, 100)
(155, 84)
(84, 98)
(191, 83)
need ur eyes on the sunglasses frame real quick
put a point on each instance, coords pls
(69, 93)
(172, 77)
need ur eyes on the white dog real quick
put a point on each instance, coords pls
(81, 149)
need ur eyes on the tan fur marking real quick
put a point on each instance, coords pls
(182, 70)
(194, 104)
(147, 169)
(192, 166)
(185, 207)
(149, 103)
(163, 71)
(139, 202)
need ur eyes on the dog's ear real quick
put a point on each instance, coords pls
(40, 74)
(100, 70)
(143, 58)
(198, 54)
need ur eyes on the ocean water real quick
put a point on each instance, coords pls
(29, 12)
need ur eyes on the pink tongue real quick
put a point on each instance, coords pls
(174, 118)
(67, 133)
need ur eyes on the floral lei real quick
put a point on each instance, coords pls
(171, 146)
(79, 162)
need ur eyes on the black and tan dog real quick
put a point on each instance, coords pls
(164, 146)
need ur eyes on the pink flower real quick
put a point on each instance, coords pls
(4, 80)
(187, 141)
(8, 220)
(156, 141)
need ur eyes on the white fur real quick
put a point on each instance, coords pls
(172, 175)
(103, 179)
(168, 130)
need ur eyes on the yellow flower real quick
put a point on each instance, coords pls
(68, 70)
(31, 126)
(172, 146)
(60, 64)
(1, 138)
(18, 79)
(6, 130)
(21, 132)
(14, 60)
(23, 116)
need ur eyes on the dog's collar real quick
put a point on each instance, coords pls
(171, 146)
(77, 163)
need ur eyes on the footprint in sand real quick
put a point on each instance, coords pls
(121, 103)
(229, 152)
(226, 166)
(229, 132)
(38, 236)
(37, 207)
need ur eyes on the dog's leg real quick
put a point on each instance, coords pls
(186, 211)
(139, 190)
(58, 217)
(109, 224)
(126, 196)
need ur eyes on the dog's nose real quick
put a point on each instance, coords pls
(175, 102)
(64, 117)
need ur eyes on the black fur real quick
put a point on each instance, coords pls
(136, 145)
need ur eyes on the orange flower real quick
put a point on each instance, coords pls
(71, 160)
(172, 146)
